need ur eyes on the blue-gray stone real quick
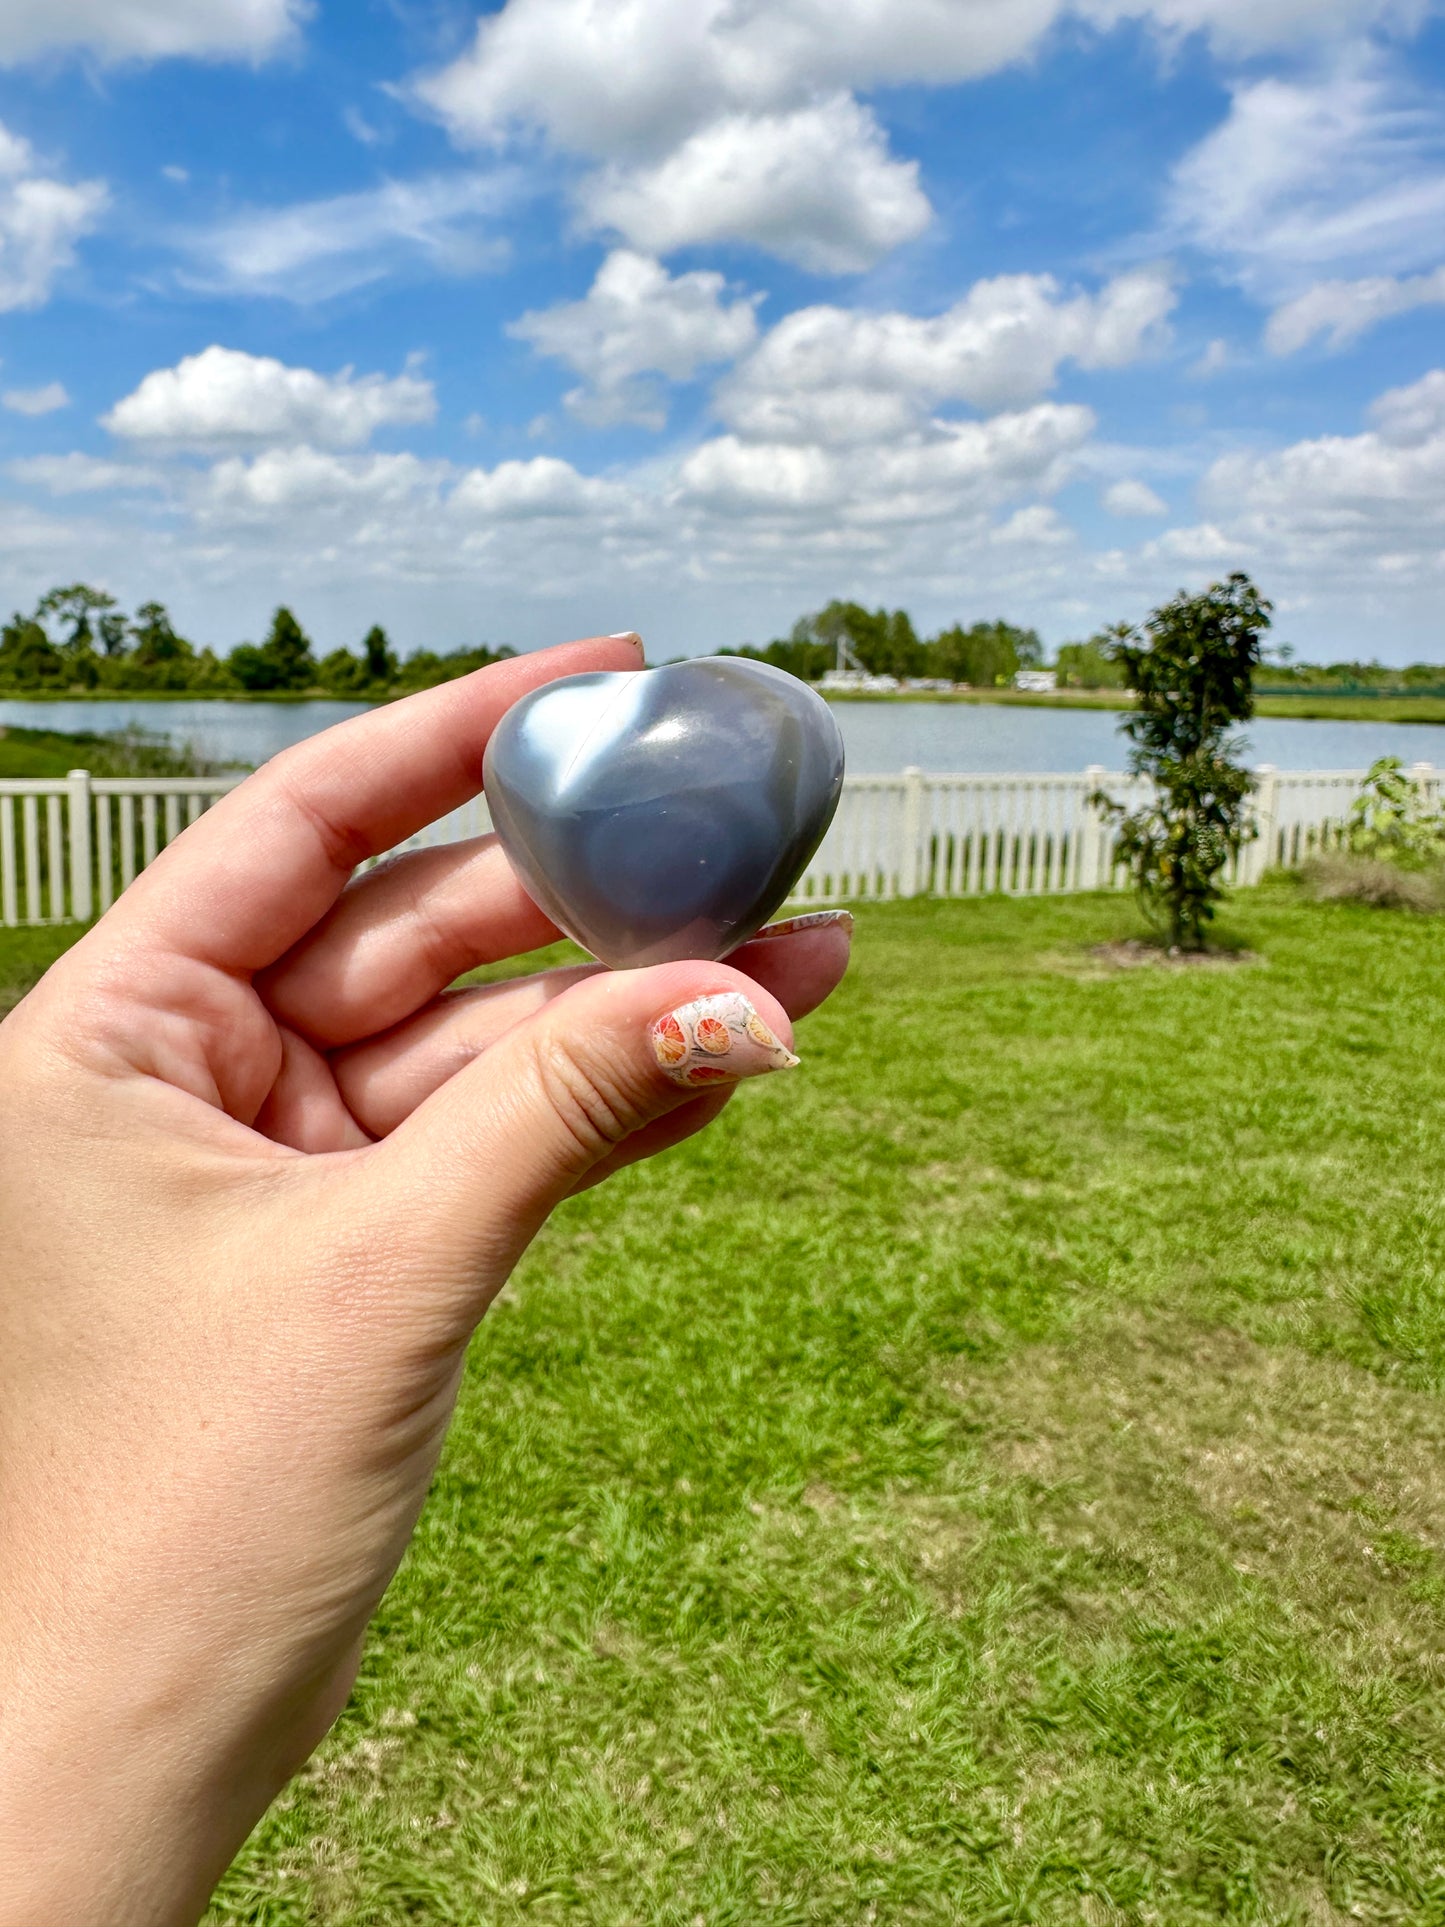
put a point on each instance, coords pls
(660, 814)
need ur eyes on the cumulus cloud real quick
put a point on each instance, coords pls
(1133, 498)
(41, 220)
(312, 483)
(224, 396)
(313, 250)
(149, 29)
(1343, 170)
(816, 186)
(1342, 311)
(973, 465)
(542, 488)
(638, 76)
(837, 376)
(1346, 507)
(637, 321)
(36, 401)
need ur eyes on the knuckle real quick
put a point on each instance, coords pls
(592, 1102)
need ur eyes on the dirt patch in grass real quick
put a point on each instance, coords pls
(1136, 953)
(1188, 1462)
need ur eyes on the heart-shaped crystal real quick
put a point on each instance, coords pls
(664, 813)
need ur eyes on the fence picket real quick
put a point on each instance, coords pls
(9, 865)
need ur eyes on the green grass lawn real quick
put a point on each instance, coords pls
(997, 1475)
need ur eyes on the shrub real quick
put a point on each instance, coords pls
(1391, 822)
(1341, 877)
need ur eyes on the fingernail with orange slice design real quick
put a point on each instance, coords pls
(717, 1040)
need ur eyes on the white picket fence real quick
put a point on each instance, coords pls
(69, 846)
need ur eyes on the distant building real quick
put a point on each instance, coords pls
(1036, 682)
(857, 682)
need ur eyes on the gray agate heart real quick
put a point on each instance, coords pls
(664, 813)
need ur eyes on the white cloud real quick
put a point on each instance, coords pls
(1252, 26)
(36, 401)
(638, 76)
(816, 186)
(149, 29)
(975, 465)
(837, 376)
(41, 219)
(79, 474)
(543, 487)
(1133, 498)
(1213, 361)
(1344, 310)
(1341, 510)
(637, 320)
(223, 396)
(313, 250)
(1344, 170)
(309, 483)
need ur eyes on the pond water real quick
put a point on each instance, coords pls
(882, 737)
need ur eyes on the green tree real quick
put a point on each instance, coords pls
(882, 641)
(377, 660)
(988, 654)
(1091, 664)
(158, 658)
(28, 658)
(75, 613)
(1193, 672)
(282, 662)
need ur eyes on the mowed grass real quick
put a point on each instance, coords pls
(996, 1475)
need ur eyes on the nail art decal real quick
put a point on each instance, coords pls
(814, 920)
(717, 1040)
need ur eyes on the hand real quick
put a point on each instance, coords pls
(261, 1174)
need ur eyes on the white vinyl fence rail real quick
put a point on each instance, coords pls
(69, 846)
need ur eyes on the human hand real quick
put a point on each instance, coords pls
(260, 1176)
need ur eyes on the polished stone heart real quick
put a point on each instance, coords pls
(664, 813)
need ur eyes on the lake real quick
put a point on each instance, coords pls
(881, 737)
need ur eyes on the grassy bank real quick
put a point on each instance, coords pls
(998, 1475)
(47, 752)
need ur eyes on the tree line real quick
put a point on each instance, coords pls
(78, 639)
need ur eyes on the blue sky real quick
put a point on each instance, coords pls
(564, 316)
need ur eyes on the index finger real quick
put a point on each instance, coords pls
(252, 876)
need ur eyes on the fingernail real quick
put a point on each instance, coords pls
(628, 635)
(717, 1040)
(815, 920)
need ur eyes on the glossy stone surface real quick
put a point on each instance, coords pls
(664, 813)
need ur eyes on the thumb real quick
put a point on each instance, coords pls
(481, 1163)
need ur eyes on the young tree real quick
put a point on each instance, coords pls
(1193, 672)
